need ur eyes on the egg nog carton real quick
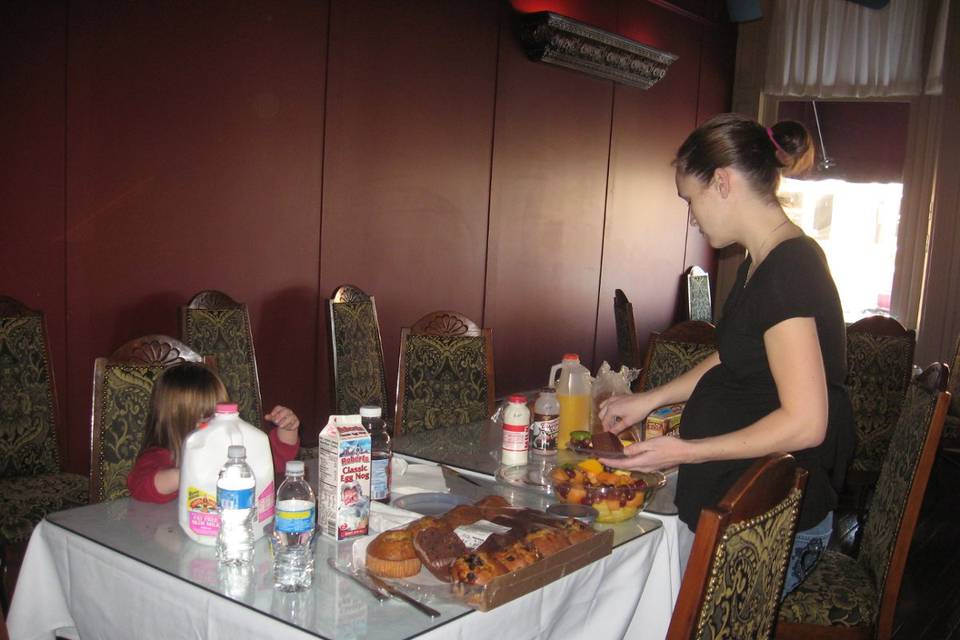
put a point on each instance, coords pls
(344, 478)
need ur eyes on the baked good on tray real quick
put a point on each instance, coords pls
(437, 548)
(547, 541)
(576, 531)
(477, 567)
(392, 555)
(425, 522)
(516, 556)
(490, 506)
(461, 515)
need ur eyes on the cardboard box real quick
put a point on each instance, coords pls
(511, 586)
(665, 421)
(344, 478)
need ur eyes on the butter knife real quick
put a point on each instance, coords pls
(453, 472)
(379, 595)
(393, 591)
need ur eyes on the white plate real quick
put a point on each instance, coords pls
(429, 504)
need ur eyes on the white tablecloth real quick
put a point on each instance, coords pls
(75, 587)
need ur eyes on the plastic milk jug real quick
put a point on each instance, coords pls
(204, 451)
(573, 392)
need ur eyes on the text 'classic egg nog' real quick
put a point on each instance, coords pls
(573, 392)
(344, 478)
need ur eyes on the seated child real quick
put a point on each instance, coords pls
(182, 396)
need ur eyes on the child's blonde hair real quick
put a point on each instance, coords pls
(182, 396)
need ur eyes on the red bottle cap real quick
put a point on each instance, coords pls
(227, 407)
(571, 356)
(522, 399)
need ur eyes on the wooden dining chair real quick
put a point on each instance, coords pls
(356, 352)
(699, 304)
(846, 597)
(32, 482)
(446, 373)
(675, 351)
(628, 346)
(213, 323)
(122, 384)
(879, 368)
(738, 563)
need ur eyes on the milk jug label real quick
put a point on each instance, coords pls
(202, 516)
(265, 503)
(235, 498)
(296, 520)
(379, 480)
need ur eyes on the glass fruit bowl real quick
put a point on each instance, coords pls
(617, 495)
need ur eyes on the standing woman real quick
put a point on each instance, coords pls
(777, 381)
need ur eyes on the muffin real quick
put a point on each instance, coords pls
(426, 522)
(490, 506)
(392, 555)
(438, 548)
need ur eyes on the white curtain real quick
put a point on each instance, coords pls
(935, 72)
(837, 49)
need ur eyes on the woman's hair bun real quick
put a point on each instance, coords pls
(794, 145)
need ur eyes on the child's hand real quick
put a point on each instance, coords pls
(287, 423)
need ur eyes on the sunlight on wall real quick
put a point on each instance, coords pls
(856, 225)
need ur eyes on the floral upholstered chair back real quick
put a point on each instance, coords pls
(739, 558)
(122, 385)
(215, 324)
(904, 474)
(676, 351)
(356, 352)
(31, 482)
(951, 426)
(28, 439)
(847, 597)
(446, 373)
(879, 366)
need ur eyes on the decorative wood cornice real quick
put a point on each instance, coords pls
(555, 39)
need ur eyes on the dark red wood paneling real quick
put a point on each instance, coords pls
(645, 234)
(546, 213)
(32, 59)
(407, 166)
(194, 156)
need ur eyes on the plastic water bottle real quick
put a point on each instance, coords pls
(293, 530)
(237, 507)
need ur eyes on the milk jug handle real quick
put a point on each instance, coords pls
(553, 375)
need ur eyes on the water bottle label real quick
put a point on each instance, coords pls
(234, 498)
(380, 481)
(295, 521)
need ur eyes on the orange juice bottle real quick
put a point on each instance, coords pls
(573, 392)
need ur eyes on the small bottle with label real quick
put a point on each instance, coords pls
(516, 431)
(381, 452)
(546, 423)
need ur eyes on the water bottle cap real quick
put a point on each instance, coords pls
(236, 451)
(227, 407)
(548, 390)
(517, 398)
(370, 411)
(571, 356)
(295, 468)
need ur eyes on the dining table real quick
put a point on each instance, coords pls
(125, 569)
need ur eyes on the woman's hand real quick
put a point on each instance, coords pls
(655, 454)
(621, 412)
(287, 423)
